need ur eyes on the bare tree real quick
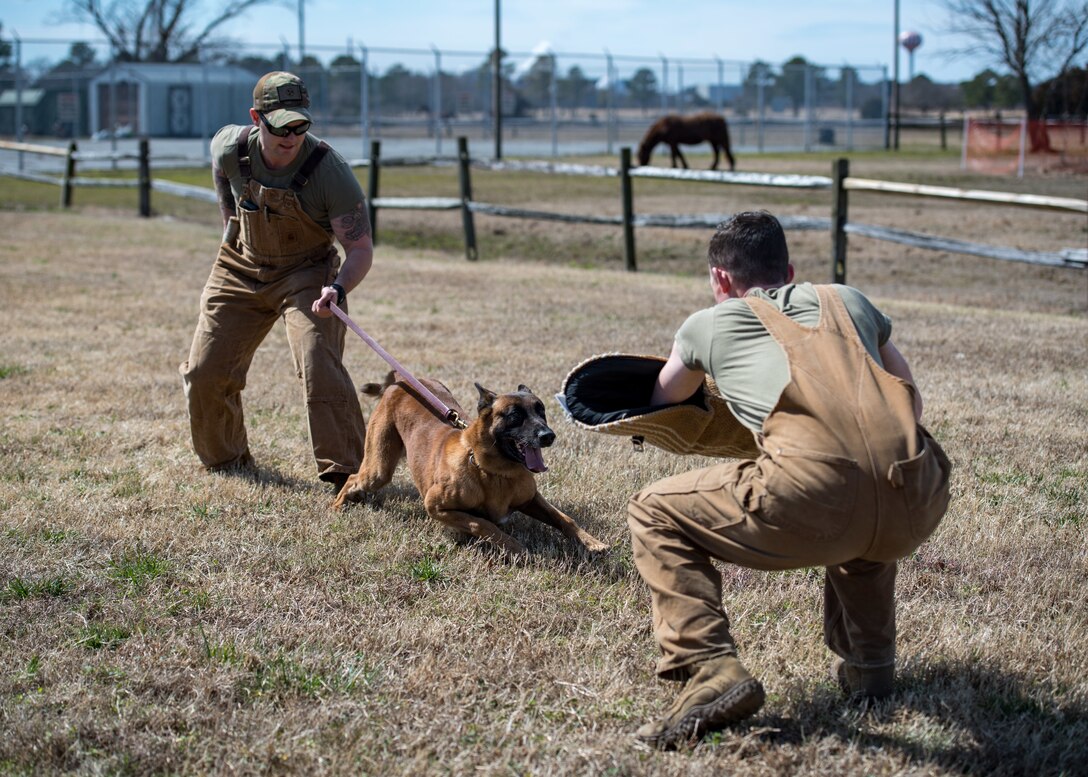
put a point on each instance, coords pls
(158, 30)
(1036, 39)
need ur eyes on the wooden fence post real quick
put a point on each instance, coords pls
(372, 188)
(840, 170)
(628, 209)
(69, 174)
(467, 221)
(145, 177)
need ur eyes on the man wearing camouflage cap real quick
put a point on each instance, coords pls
(283, 195)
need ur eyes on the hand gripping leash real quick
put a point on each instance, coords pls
(448, 414)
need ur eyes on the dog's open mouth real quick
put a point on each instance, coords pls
(532, 457)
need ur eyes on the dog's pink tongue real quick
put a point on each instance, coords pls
(534, 461)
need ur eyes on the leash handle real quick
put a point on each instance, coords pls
(448, 413)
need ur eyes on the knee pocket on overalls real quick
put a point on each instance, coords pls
(702, 496)
(809, 494)
(922, 483)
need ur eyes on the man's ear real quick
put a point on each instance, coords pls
(720, 281)
(486, 400)
(789, 273)
(254, 116)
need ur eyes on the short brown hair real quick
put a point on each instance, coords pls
(751, 247)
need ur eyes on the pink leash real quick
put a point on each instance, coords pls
(448, 413)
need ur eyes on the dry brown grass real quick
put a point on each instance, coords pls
(156, 619)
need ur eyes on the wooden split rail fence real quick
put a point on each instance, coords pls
(839, 184)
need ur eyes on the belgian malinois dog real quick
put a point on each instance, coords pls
(473, 479)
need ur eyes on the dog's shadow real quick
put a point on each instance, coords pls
(399, 500)
(990, 720)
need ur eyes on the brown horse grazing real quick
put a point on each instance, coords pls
(689, 130)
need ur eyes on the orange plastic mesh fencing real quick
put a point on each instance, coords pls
(994, 147)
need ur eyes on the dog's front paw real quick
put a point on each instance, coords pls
(347, 494)
(594, 545)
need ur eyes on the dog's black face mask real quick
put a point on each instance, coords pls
(518, 424)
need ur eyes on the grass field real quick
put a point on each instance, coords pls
(155, 619)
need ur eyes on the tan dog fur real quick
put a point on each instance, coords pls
(466, 481)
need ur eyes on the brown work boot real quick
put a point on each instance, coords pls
(870, 682)
(720, 691)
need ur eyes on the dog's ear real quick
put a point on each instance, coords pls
(525, 389)
(487, 398)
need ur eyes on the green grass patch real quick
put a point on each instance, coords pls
(11, 370)
(137, 568)
(427, 570)
(20, 588)
(100, 636)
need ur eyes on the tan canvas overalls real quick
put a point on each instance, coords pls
(275, 269)
(845, 480)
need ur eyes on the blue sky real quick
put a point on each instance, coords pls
(855, 32)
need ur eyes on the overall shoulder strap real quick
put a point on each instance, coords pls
(302, 177)
(244, 163)
(833, 312)
(777, 323)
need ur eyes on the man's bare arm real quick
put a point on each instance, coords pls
(225, 195)
(676, 382)
(352, 229)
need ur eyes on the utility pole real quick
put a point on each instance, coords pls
(496, 91)
(895, 67)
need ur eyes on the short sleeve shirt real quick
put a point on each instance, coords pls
(729, 343)
(331, 191)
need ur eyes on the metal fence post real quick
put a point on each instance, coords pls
(436, 101)
(467, 221)
(664, 84)
(628, 210)
(721, 83)
(372, 188)
(848, 75)
(840, 169)
(364, 99)
(553, 100)
(145, 177)
(610, 75)
(69, 174)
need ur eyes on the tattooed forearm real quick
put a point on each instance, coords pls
(223, 191)
(353, 225)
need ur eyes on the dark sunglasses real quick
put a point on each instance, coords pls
(282, 132)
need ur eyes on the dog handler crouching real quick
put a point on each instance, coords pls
(846, 479)
(283, 195)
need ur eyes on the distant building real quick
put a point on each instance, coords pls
(169, 100)
(29, 106)
(724, 93)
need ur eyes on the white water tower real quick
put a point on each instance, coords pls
(910, 40)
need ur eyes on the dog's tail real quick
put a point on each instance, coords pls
(376, 389)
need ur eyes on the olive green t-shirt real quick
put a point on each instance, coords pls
(332, 190)
(729, 343)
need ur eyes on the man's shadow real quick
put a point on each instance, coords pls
(991, 720)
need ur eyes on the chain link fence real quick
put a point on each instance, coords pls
(417, 101)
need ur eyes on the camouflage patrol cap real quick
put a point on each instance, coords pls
(282, 98)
